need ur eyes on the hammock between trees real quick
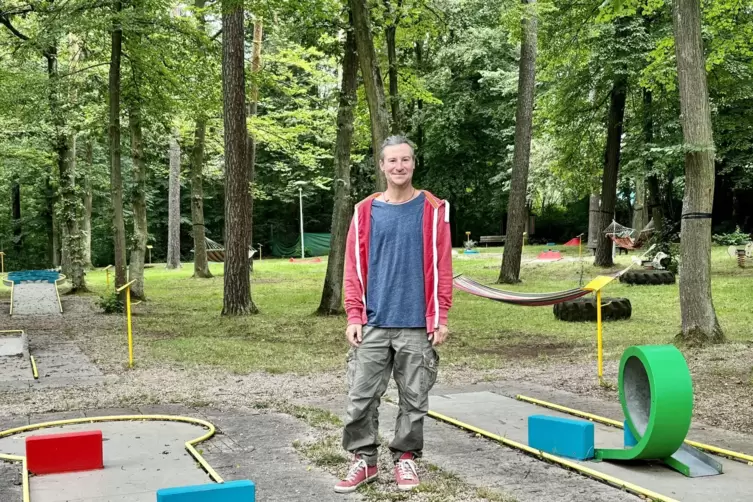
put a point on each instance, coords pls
(623, 236)
(216, 252)
(530, 299)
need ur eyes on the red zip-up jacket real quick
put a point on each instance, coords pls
(437, 261)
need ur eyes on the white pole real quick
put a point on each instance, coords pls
(300, 202)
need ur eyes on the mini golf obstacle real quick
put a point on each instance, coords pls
(651, 457)
(34, 292)
(73, 454)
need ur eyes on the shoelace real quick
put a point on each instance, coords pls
(407, 469)
(355, 468)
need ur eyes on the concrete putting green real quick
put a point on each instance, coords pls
(140, 457)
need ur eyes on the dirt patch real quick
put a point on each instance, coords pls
(518, 348)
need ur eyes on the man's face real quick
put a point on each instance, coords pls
(398, 164)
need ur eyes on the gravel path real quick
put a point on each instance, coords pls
(35, 298)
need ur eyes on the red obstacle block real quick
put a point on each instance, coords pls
(550, 255)
(67, 452)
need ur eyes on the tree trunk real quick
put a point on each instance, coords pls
(237, 288)
(87, 198)
(56, 248)
(611, 170)
(331, 301)
(200, 263)
(116, 180)
(173, 218)
(699, 322)
(594, 220)
(655, 208)
(639, 209)
(372, 80)
(251, 146)
(516, 206)
(390, 33)
(71, 211)
(420, 127)
(16, 215)
(138, 242)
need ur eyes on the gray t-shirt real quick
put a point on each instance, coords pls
(395, 295)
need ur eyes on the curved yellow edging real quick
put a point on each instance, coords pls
(115, 418)
(742, 457)
(651, 495)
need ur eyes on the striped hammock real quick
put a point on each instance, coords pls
(534, 299)
(216, 252)
(623, 236)
(525, 299)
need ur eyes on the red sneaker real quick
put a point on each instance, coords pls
(406, 473)
(358, 474)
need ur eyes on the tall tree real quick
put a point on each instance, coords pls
(699, 321)
(173, 204)
(87, 199)
(138, 242)
(252, 106)
(18, 243)
(116, 178)
(390, 34)
(372, 82)
(611, 169)
(237, 287)
(331, 301)
(200, 263)
(655, 209)
(516, 205)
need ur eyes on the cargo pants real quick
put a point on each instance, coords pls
(408, 355)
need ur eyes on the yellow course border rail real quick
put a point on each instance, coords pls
(625, 485)
(190, 445)
(742, 457)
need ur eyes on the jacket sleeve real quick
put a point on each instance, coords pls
(444, 265)
(354, 306)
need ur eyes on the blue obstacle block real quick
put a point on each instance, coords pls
(230, 491)
(564, 437)
(630, 440)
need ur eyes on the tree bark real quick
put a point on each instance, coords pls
(390, 33)
(653, 191)
(200, 263)
(237, 288)
(251, 146)
(71, 211)
(516, 207)
(639, 209)
(173, 218)
(138, 242)
(18, 243)
(611, 170)
(420, 127)
(699, 321)
(87, 199)
(331, 301)
(116, 180)
(373, 84)
(594, 220)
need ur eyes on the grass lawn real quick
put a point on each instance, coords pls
(181, 320)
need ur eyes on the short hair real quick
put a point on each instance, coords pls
(394, 141)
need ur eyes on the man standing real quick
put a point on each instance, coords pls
(398, 290)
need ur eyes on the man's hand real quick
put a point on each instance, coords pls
(354, 334)
(439, 336)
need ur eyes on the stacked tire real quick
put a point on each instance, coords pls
(584, 310)
(648, 277)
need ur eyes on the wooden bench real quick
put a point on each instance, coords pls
(486, 239)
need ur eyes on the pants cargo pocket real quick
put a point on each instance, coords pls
(430, 367)
(350, 370)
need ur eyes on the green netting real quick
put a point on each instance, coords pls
(316, 245)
